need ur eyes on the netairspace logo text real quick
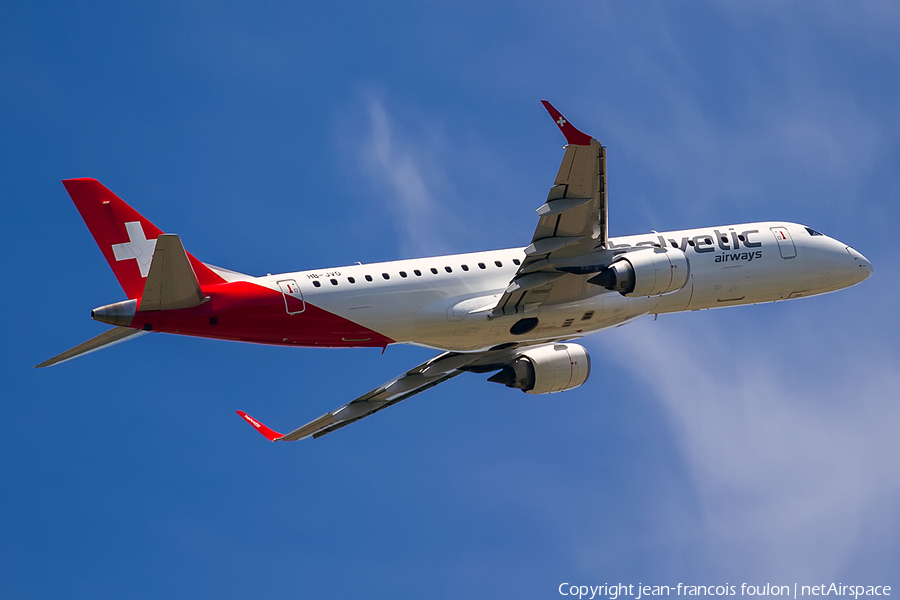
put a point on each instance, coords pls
(639, 591)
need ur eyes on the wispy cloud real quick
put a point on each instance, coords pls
(403, 163)
(792, 460)
(788, 431)
(778, 122)
(869, 25)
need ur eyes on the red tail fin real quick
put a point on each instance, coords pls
(126, 238)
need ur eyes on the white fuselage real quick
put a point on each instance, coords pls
(445, 302)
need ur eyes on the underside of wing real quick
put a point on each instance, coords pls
(571, 235)
(378, 399)
(415, 381)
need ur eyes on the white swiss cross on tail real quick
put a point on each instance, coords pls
(137, 247)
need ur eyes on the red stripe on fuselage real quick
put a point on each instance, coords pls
(247, 312)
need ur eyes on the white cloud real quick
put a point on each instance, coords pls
(788, 429)
(790, 441)
(871, 24)
(778, 121)
(404, 165)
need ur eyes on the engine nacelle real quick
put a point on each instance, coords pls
(547, 369)
(651, 272)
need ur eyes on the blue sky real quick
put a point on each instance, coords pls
(754, 444)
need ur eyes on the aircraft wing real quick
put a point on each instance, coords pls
(425, 376)
(571, 234)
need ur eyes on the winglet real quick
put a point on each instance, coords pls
(573, 136)
(272, 436)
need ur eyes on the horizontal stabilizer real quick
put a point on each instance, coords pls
(171, 282)
(107, 338)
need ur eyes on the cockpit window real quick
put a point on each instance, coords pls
(812, 231)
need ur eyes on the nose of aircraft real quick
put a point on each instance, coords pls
(861, 268)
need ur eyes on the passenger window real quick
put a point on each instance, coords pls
(418, 273)
(351, 280)
(334, 282)
(498, 263)
(368, 278)
(316, 283)
(403, 274)
(385, 275)
(465, 267)
(448, 269)
(433, 270)
(516, 261)
(481, 266)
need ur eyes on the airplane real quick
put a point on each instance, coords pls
(512, 312)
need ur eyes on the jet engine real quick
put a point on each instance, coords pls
(546, 369)
(651, 272)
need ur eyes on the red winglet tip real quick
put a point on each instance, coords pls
(573, 135)
(269, 434)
